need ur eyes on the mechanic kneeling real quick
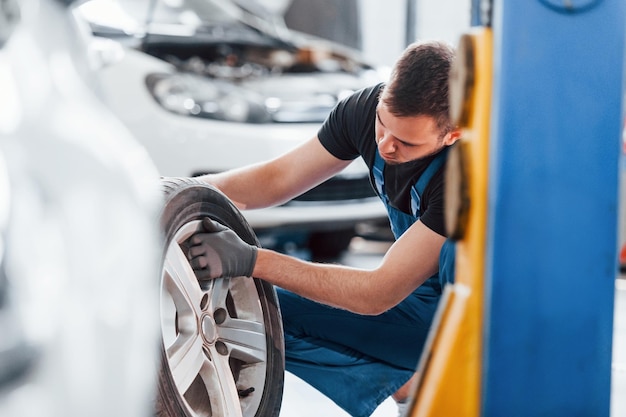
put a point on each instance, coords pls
(355, 334)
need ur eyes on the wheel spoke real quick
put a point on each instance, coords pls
(182, 284)
(219, 291)
(220, 386)
(245, 339)
(186, 359)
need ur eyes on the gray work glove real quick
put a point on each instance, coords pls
(216, 251)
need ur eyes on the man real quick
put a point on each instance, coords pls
(356, 335)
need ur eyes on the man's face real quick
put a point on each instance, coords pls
(404, 139)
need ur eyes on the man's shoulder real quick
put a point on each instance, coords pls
(348, 131)
(358, 112)
(367, 96)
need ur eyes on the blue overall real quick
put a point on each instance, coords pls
(358, 361)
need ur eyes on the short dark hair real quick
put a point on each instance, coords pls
(419, 83)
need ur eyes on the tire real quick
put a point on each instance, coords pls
(223, 346)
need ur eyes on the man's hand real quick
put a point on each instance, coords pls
(216, 251)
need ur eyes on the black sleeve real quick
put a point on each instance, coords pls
(349, 127)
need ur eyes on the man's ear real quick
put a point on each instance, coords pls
(452, 137)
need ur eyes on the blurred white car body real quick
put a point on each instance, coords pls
(79, 234)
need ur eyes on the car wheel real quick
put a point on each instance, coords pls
(223, 347)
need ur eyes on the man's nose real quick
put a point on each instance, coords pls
(386, 144)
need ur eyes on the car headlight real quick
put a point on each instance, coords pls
(198, 96)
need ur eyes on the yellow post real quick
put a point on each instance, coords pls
(451, 363)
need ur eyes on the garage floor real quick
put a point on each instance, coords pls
(301, 400)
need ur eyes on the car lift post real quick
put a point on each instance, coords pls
(526, 330)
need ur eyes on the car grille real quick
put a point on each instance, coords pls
(338, 189)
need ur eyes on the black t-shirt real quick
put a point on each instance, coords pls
(348, 133)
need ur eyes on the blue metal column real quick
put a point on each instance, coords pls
(552, 209)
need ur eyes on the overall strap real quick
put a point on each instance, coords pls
(418, 189)
(379, 178)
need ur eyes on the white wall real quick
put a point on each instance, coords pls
(384, 25)
(443, 19)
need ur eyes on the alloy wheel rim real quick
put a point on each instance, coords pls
(214, 337)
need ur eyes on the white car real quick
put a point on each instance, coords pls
(100, 313)
(80, 244)
(209, 86)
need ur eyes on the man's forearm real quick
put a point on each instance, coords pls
(356, 290)
(242, 187)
